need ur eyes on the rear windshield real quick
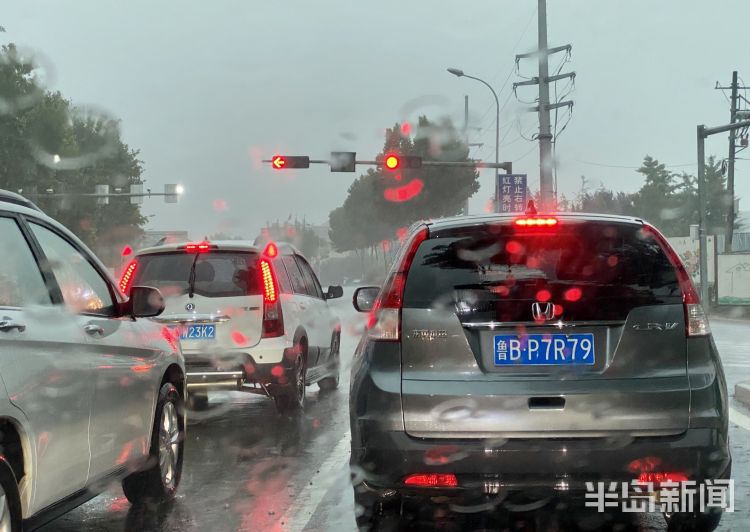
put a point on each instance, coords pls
(217, 273)
(590, 270)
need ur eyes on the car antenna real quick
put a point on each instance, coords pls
(531, 208)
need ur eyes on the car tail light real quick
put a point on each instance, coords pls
(696, 321)
(385, 318)
(273, 319)
(197, 247)
(536, 221)
(271, 250)
(127, 276)
(432, 480)
(657, 478)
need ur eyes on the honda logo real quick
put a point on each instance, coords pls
(542, 311)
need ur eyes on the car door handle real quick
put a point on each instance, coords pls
(92, 329)
(7, 324)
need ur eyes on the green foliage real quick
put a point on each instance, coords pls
(370, 215)
(46, 142)
(666, 199)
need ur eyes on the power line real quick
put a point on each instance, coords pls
(631, 167)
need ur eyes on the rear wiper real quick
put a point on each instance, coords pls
(191, 277)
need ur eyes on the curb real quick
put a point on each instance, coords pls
(742, 393)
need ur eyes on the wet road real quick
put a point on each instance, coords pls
(247, 469)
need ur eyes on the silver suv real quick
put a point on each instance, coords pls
(508, 355)
(88, 393)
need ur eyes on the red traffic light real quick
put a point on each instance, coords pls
(392, 162)
(278, 162)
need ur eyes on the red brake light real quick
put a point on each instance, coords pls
(543, 221)
(273, 319)
(657, 478)
(271, 250)
(385, 319)
(200, 247)
(127, 276)
(269, 282)
(696, 321)
(432, 480)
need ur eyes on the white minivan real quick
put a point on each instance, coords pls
(250, 318)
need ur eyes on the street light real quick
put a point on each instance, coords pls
(460, 74)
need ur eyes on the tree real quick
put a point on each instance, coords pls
(46, 142)
(658, 200)
(604, 200)
(380, 202)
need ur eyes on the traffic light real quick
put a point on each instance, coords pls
(393, 161)
(343, 161)
(282, 162)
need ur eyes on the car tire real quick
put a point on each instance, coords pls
(158, 484)
(694, 522)
(197, 401)
(10, 505)
(332, 382)
(292, 399)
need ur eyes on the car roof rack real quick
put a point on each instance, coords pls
(16, 199)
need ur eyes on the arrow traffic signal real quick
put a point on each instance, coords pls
(282, 162)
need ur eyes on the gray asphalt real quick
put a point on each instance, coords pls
(248, 469)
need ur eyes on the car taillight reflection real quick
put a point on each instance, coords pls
(431, 480)
(127, 276)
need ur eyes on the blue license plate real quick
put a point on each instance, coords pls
(199, 332)
(544, 349)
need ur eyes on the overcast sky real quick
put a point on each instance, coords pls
(207, 89)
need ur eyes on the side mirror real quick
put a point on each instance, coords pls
(334, 292)
(364, 298)
(145, 302)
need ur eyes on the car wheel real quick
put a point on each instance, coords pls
(10, 503)
(695, 521)
(332, 382)
(197, 401)
(292, 399)
(158, 483)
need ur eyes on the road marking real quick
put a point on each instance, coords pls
(307, 500)
(738, 418)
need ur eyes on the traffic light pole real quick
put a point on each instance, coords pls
(507, 166)
(702, 133)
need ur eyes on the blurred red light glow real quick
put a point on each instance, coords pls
(573, 294)
(404, 193)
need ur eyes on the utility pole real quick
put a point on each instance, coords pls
(546, 185)
(703, 133)
(730, 161)
(466, 136)
(546, 189)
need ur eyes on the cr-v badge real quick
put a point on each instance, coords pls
(668, 326)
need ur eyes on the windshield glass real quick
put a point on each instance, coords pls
(216, 274)
(592, 271)
(301, 215)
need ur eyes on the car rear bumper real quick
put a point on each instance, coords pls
(256, 370)
(487, 466)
